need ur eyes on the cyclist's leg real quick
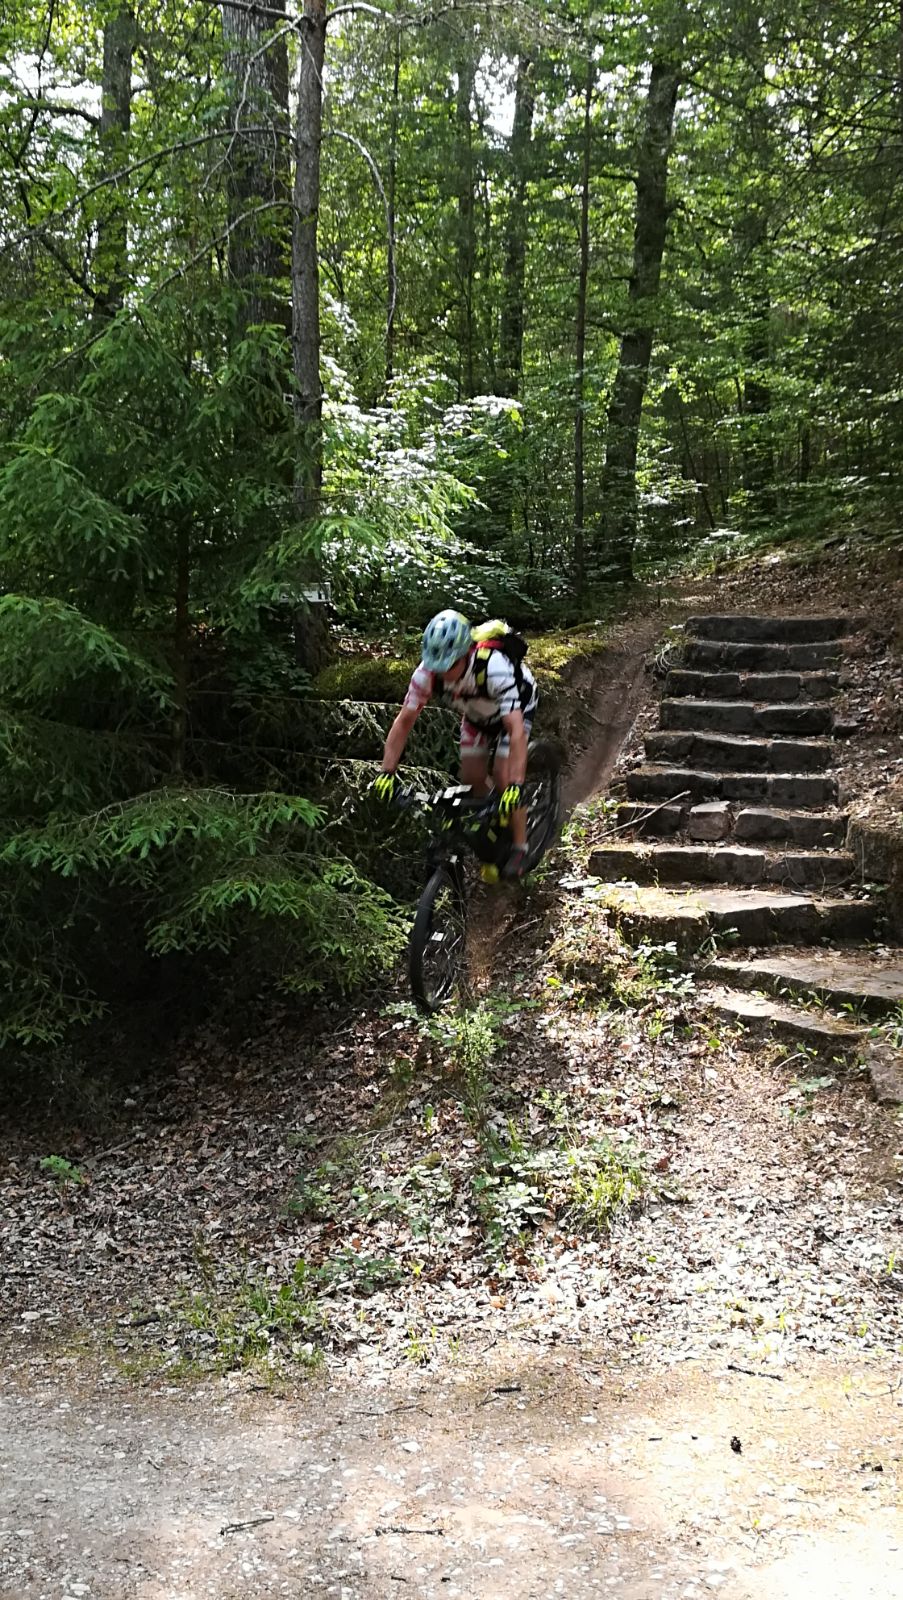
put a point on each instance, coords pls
(476, 749)
(500, 770)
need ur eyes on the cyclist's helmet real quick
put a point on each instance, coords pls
(446, 639)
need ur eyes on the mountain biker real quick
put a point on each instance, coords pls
(496, 697)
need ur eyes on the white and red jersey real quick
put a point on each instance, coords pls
(481, 704)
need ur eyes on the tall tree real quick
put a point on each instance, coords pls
(511, 337)
(111, 249)
(391, 210)
(305, 260)
(580, 339)
(619, 486)
(258, 163)
(466, 252)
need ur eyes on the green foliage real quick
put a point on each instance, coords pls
(63, 1171)
(585, 1182)
(154, 561)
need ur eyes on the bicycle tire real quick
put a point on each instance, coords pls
(543, 797)
(438, 941)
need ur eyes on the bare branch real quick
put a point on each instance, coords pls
(268, 44)
(396, 20)
(173, 277)
(55, 108)
(338, 133)
(211, 243)
(126, 172)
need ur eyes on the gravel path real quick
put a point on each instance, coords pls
(555, 1476)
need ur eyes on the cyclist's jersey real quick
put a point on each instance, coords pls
(481, 706)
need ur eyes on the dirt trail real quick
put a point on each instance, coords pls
(559, 1476)
(583, 1441)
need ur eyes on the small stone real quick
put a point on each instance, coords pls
(710, 821)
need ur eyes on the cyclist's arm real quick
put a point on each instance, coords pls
(398, 736)
(516, 729)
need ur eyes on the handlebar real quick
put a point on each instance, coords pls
(457, 797)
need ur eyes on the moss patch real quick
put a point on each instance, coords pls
(385, 678)
(382, 678)
(551, 654)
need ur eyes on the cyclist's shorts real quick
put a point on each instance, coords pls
(490, 742)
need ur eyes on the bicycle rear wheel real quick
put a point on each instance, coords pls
(438, 940)
(542, 795)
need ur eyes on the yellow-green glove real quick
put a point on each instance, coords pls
(384, 786)
(511, 801)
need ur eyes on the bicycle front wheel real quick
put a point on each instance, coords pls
(542, 793)
(438, 940)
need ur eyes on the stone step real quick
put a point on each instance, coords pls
(697, 863)
(808, 829)
(712, 654)
(869, 984)
(689, 917)
(661, 821)
(716, 819)
(652, 781)
(774, 687)
(830, 1036)
(744, 716)
(738, 753)
(768, 630)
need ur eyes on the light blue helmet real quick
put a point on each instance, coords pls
(445, 640)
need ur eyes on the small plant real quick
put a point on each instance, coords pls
(522, 1183)
(257, 1321)
(62, 1171)
(799, 1099)
(891, 1029)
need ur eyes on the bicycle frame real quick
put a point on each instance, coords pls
(468, 822)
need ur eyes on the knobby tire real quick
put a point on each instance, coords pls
(438, 940)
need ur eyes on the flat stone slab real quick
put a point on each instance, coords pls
(739, 754)
(857, 978)
(748, 916)
(805, 828)
(762, 1015)
(712, 654)
(653, 781)
(653, 819)
(744, 717)
(768, 630)
(771, 687)
(698, 863)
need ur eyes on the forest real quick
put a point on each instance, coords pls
(401, 305)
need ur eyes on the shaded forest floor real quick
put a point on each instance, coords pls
(571, 1292)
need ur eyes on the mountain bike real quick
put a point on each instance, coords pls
(467, 824)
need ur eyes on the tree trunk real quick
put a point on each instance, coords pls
(757, 454)
(391, 190)
(466, 240)
(512, 322)
(305, 272)
(111, 251)
(900, 66)
(626, 405)
(258, 165)
(580, 351)
(181, 648)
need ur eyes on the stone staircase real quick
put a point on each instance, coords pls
(732, 839)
